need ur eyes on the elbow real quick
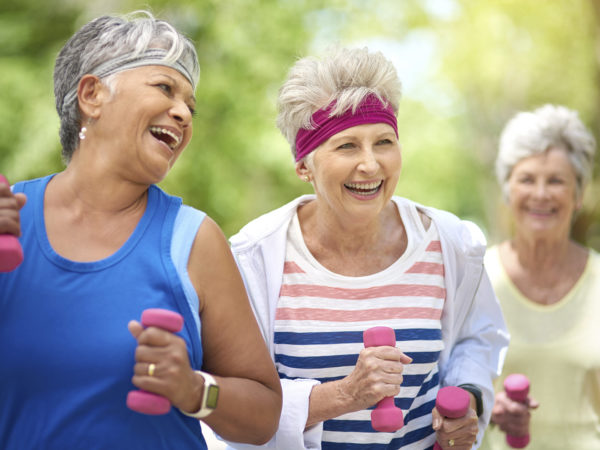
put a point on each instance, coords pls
(271, 417)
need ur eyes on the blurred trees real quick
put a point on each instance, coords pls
(467, 66)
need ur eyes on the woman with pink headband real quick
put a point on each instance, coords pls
(326, 267)
(102, 245)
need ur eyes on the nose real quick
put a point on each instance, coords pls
(368, 163)
(541, 189)
(181, 113)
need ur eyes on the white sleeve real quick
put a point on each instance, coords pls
(291, 434)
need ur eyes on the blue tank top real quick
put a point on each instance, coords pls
(67, 357)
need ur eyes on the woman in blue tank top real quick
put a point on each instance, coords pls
(103, 244)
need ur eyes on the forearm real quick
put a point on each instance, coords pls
(247, 411)
(329, 400)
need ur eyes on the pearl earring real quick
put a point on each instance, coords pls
(306, 178)
(82, 133)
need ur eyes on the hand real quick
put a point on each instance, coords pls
(462, 431)
(512, 417)
(377, 374)
(10, 205)
(173, 377)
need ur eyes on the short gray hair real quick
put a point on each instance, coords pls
(531, 133)
(346, 75)
(109, 38)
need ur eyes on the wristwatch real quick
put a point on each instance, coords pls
(209, 397)
(476, 391)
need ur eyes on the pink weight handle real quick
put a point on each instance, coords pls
(516, 387)
(11, 252)
(147, 402)
(386, 416)
(452, 402)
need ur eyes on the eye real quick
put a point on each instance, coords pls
(347, 145)
(164, 87)
(525, 180)
(556, 181)
(384, 142)
(192, 111)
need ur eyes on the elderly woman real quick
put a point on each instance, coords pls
(548, 285)
(325, 267)
(102, 244)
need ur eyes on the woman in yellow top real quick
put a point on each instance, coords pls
(548, 285)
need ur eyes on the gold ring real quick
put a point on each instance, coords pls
(151, 368)
(451, 443)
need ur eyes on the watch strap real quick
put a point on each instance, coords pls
(476, 391)
(211, 389)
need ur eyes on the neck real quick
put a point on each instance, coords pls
(90, 189)
(536, 253)
(349, 236)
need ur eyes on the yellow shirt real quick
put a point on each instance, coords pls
(558, 348)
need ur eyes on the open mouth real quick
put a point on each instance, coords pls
(542, 211)
(167, 136)
(364, 189)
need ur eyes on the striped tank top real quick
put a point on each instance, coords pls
(321, 316)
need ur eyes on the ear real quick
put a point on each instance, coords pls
(302, 170)
(91, 93)
(579, 202)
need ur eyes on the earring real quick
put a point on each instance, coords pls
(306, 178)
(82, 133)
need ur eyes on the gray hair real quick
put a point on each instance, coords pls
(531, 133)
(110, 44)
(342, 74)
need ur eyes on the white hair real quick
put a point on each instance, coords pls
(342, 74)
(550, 126)
(106, 39)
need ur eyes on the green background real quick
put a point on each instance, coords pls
(467, 67)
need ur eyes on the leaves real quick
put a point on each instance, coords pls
(467, 67)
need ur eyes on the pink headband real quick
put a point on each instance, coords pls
(370, 110)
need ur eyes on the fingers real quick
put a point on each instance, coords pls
(462, 431)
(437, 419)
(392, 354)
(10, 205)
(135, 328)
(378, 373)
(162, 363)
(532, 403)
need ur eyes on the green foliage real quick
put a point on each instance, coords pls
(468, 66)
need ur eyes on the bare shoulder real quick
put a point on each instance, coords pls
(211, 263)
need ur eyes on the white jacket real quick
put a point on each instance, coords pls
(473, 329)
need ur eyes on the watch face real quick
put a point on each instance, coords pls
(211, 396)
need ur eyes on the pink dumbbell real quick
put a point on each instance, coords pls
(452, 402)
(11, 253)
(386, 416)
(147, 402)
(516, 387)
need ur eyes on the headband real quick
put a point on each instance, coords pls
(150, 57)
(370, 110)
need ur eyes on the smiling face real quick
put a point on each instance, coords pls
(543, 196)
(147, 120)
(355, 172)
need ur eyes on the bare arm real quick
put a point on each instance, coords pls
(234, 351)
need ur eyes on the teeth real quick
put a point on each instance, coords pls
(176, 138)
(364, 186)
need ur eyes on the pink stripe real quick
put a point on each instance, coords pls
(329, 315)
(427, 268)
(392, 290)
(434, 246)
(291, 267)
